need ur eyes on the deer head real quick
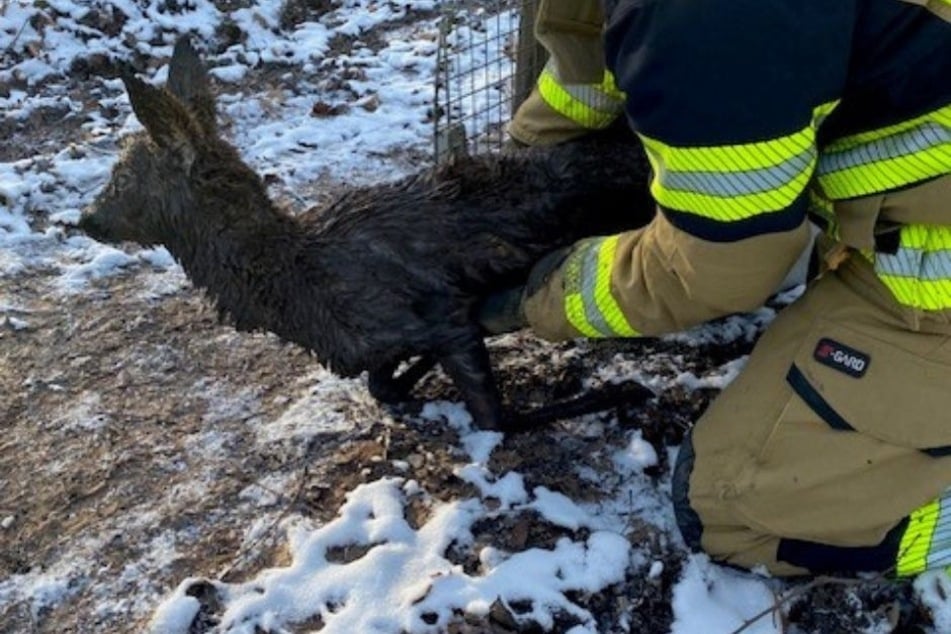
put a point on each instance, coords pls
(149, 184)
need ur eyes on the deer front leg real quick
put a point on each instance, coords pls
(469, 368)
(386, 387)
(383, 386)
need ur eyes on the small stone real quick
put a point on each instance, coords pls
(370, 104)
(415, 460)
(322, 109)
(6, 522)
(501, 615)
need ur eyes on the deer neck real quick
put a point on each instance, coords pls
(243, 261)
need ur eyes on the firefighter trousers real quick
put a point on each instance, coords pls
(832, 449)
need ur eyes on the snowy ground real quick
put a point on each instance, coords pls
(160, 471)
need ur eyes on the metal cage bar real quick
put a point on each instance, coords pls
(486, 65)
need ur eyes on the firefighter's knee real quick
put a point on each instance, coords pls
(729, 540)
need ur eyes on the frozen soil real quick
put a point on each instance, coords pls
(128, 418)
(131, 417)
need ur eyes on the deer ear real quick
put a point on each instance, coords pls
(188, 80)
(165, 119)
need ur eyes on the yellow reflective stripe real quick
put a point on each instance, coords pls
(574, 311)
(728, 183)
(590, 305)
(942, 115)
(887, 158)
(919, 273)
(921, 294)
(592, 106)
(609, 86)
(604, 299)
(928, 237)
(914, 551)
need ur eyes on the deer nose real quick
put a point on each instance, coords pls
(89, 225)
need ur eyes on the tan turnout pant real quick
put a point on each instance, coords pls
(808, 446)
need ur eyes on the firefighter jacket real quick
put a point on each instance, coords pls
(756, 116)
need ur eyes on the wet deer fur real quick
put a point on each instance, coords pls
(383, 273)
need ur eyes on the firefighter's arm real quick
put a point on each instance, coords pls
(728, 100)
(656, 280)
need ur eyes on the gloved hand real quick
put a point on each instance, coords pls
(504, 311)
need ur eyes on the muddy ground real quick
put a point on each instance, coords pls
(161, 375)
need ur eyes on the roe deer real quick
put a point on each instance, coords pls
(383, 273)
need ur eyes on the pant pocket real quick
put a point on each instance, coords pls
(877, 385)
(861, 442)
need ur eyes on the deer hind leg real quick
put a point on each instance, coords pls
(388, 387)
(607, 397)
(469, 368)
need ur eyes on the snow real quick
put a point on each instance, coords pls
(719, 379)
(559, 509)
(638, 454)
(404, 581)
(175, 617)
(298, 420)
(728, 599)
(16, 324)
(933, 589)
(82, 417)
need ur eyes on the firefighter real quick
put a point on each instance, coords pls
(832, 449)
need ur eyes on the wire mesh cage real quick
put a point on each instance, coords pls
(487, 63)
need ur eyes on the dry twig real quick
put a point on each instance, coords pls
(800, 590)
(16, 37)
(292, 502)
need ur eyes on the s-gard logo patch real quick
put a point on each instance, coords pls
(841, 357)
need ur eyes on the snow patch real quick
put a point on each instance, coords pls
(711, 598)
